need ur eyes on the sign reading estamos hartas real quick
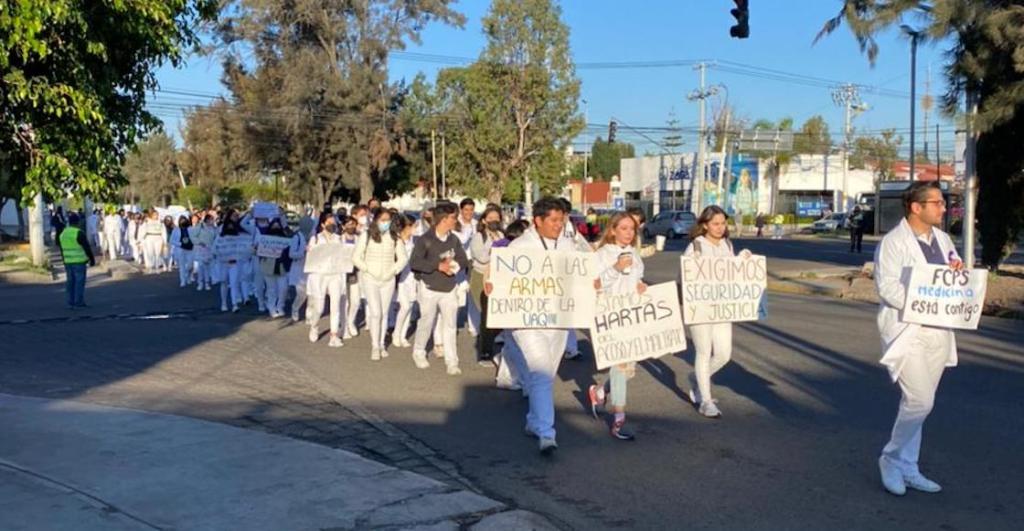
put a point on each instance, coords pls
(630, 327)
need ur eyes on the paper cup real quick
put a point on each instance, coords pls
(659, 242)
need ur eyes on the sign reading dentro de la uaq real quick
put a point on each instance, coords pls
(723, 289)
(540, 289)
(939, 296)
(633, 326)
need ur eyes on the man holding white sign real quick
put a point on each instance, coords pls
(914, 354)
(542, 336)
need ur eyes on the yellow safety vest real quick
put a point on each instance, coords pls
(70, 248)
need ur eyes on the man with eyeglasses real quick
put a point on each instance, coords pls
(914, 354)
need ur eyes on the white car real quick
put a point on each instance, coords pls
(832, 223)
(671, 224)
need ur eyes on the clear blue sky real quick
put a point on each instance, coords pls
(782, 32)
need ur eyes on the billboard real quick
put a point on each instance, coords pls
(743, 183)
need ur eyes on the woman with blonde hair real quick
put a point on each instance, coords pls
(621, 271)
(712, 341)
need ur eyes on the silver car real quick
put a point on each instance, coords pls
(671, 224)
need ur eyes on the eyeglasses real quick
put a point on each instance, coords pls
(940, 202)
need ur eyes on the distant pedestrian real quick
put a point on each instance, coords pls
(75, 248)
(914, 354)
(856, 222)
(759, 223)
(777, 222)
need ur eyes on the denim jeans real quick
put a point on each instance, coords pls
(74, 285)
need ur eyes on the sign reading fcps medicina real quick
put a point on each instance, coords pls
(541, 289)
(940, 296)
(723, 289)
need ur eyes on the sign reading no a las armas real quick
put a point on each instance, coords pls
(541, 289)
(939, 296)
(630, 327)
(723, 289)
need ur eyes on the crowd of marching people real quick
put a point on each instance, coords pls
(414, 280)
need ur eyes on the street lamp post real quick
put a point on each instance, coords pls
(586, 159)
(914, 36)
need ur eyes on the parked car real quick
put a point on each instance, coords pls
(671, 224)
(832, 223)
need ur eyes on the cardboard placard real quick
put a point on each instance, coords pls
(939, 296)
(271, 246)
(328, 258)
(238, 248)
(723, 289)
(630, 327)
(265, 210)
(541, 289)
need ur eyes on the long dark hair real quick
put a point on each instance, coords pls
(374, 230)
(705, 217)
(481, 226)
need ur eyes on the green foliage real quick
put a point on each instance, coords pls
(151, 172)
(605, 157)
(195, 196)
(75, 76)
(813, 136)
(231, 196)
(878, 152)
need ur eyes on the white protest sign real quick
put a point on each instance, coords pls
(939, 296)
(723, 289)
(541, 289)
(634, 327)
(227, 248)
(268, 246)
(265, 210)
(329, 257)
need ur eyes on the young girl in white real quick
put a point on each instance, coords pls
(380, 256)
(230, 264)
(404, 226)
(621, 271)
(712, 341)
(324, 280)
(182, 246)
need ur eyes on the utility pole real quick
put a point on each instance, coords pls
(725, 144)
(433, 162)
(701, 94)
(971, 179)
(586, 160)
(444, 168)
(914, 35)
(671, 142)
(847, 96)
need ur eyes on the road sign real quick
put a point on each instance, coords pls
(765, 140)
(619, 203)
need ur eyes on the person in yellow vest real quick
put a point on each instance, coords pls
(75, 248)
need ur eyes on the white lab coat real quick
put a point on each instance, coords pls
(900, 250)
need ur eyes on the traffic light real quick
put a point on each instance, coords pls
(612, 128)
(742, 14)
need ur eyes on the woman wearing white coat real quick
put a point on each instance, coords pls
(324, 280)
(621, 272)
(205, 233)
(274, 272)
(380, 256)
(182, 246)
(712, 341)
(406, 291)
(297, 275)
(915, 355)
(153, 241)
(235, 251)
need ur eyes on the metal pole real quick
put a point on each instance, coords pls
(971, 179)
(444, 168)
(698, 181)
(586, 160)
(433, 163)
(846, 157)
(938, 166)
(725, 143)
(913, 99)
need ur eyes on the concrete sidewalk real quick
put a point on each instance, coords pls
(71, 465)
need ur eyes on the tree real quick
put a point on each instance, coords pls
(515, 108)
(813, 136)
(605, 157)
(986, 39)
(75, 76)
(217, 152)
(317, 88)
(152, 171)
(876, 152)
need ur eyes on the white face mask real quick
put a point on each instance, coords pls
(361, 220)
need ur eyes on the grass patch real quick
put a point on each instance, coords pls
(16, 261)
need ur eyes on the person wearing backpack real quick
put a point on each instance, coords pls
(181, 247)
(712, 341)
(380, 256)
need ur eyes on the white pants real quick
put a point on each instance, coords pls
(919, 379)
(203, 272)
(152, 247)
(259, 285)
(472, 315)
(378, 301)
(713, 343)
(404, 315)
(572, 344)
(442, 307)
(185, 263)
(321, 286)
(541, 352)
(277, 292)
(113, 244)
(230, 281)
(355, 299)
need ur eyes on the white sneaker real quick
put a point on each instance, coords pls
(892, 477)
(507, 385)
(919, 482)
(694, 392)
(420, 359)
(235, 308)
(547, 446)
(375, 355)
(223, 307)
(709, 409)
(335, 342)
(347, 335)
(199, 287)
(314, 334)
(295, 317)
(454, 370)
(384, 353)
(402, 343)
(439, 351)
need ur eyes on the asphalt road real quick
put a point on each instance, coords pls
(806, 411)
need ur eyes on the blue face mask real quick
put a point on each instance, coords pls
(384, 226)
